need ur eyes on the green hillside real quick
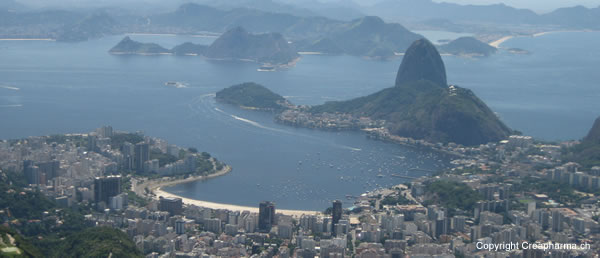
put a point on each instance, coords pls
(423, 110)
(251, 95)
(422, 106)
(587, 153)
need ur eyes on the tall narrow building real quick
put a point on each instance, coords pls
(336, 213)
(266, 216)
(142, 154)
(128, 151)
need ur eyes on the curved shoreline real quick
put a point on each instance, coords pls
(232, 207)
(498, 42)
(155, 189)
(153, 184)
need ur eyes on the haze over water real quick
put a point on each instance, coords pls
(52, 87)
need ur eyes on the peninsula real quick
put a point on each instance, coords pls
(421, 106)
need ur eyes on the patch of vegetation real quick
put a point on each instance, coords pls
(25, 248)
(98, 242)
(557, 191)
(118, 139)
(587, 153)
(397, 199)
(206, 166)
(163, 158)
(251, 95)
(24, 205)
(453, 195)
(35, 217)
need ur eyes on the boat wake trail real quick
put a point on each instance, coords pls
(253, 123)
(204, 103)
(9, 87)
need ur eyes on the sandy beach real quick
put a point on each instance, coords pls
(155, 187)
(497, 42)
(557, 31)
(213, 205)
(309, 53)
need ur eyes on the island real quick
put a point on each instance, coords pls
(127, 46)
(468, 46)
(518, 51)
(269, 49)
(252, 96)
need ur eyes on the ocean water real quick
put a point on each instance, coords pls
(53, 87)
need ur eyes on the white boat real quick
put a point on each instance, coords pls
(177, 85)
(266, 68)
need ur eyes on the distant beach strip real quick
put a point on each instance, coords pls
(498, 42)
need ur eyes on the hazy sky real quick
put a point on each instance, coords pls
(536, 5)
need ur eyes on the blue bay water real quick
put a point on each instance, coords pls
(76, 87)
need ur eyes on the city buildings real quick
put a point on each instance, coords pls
(508, 206)
(266, 216)
(106, 187)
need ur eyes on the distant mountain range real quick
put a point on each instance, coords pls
(311, 8)
(194, 18)
(235, 44)
(10, 5)
(94, 26)
(368, 36)
(422, 10)
(238, 44)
